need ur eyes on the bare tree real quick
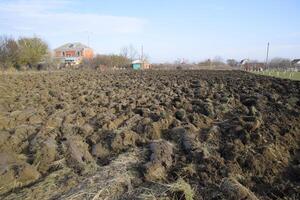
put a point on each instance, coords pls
(129, 52)
(124, 52)
(232, 62)
(178, 61)
(218, 60)
(280, 63)
(146, 57)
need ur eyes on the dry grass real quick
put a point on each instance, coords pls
(109, 182)
(179, 189)
(183, 188)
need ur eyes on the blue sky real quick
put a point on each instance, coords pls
(168, 29)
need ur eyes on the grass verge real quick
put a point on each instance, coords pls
(281, 74)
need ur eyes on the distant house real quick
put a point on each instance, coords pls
(296, 64)
(244, 61)
(73, 53)
(140, 64)
(248, 65)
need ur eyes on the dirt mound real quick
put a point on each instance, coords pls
(234, 190)
(160, 160)
(149, 135)
(15, 172)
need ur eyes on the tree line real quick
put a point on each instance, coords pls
(34, 53)
(26, 52)
(276, 63)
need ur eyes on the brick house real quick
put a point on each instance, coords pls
(73, 53)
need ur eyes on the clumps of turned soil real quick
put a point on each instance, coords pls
(45, 154)
(161, 159)
(186, 139)
(49, 187)
(149, 135)
(152, 124)
(15, 172)
(110, 144)
(77, 154)
(234, 190)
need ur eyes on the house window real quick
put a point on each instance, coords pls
(63, 53)
(78, 53)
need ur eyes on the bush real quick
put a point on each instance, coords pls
(32, 52)
(107, 62)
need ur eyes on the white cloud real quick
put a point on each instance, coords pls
(53, 18)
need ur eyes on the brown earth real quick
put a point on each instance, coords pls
(149, 135)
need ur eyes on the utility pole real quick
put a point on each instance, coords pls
(142, 55)
(87, 34)
(267, 58)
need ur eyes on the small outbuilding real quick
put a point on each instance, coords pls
(140, 64)
(295, 64)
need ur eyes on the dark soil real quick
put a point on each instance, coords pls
(149, 135)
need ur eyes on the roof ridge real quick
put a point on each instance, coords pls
(72, 45)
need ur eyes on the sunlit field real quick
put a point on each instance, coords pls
(90, 133)
(279, 74)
